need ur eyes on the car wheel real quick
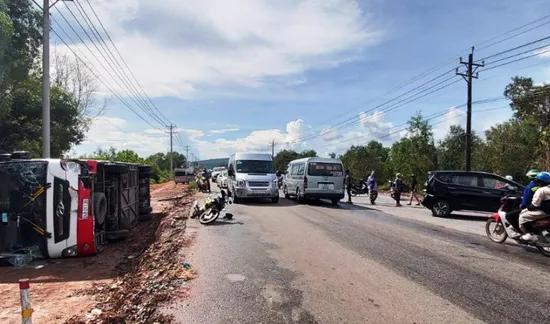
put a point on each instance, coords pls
(299, 198)
(441, 208)
(275, 200)
(335, 202)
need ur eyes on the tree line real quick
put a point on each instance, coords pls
(508, 148)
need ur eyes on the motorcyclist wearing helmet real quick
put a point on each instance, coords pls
(530, 189)
(533, 211)
(206, 177)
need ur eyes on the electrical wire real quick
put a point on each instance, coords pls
(162, 116)
(514, 61)
(124, 102)
(516, 48)
(118, 77)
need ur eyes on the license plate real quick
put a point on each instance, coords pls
(326, 186)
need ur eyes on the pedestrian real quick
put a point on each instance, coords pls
(414, 189)
(398, 189)
(348, 186)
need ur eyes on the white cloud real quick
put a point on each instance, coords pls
(177, 47)
(223, 130)
(441, 125)
(110, 131)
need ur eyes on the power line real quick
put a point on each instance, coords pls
(515, 35)
(100, 79)
(516, 60)
(121, 57)
(131, 94)
(358, 118)
(516, 48)
(115, 62)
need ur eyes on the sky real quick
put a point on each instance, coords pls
(239, 75)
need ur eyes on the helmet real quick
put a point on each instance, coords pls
(398, 175)
(543, 177)
(509, 178)
(532, 174)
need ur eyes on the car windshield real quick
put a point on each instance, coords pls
(325, 169)
(255, 166)
(180, 173)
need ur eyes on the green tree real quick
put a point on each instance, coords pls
(361, 160)
(307, 153)
(21, 129)
(451, 151)
(416, 153)
(283, 158)
(531, 103)
(512, 147)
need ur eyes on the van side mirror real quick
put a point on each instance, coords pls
(230, 173)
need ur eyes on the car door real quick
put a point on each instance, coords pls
(464, 191)
(494, 188)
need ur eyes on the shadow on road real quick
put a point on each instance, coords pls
(222, 223)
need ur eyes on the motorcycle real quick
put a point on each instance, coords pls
(506, 224)
(359, 190)
(211, 209)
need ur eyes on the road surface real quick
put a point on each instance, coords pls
(315, 263)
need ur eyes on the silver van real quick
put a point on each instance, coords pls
(252, 175)
(314, 178)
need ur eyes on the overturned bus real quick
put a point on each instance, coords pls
(66, 208)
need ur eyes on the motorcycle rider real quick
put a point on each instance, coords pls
(530, 188)
(533, 211)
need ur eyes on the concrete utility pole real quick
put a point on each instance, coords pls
(273, 148)
(46, 122)
(471, 68)
(186, 147)
(171, 131)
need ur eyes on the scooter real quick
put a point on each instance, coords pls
(359, 190)
(505, 223)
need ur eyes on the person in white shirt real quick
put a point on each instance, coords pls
(533, 211)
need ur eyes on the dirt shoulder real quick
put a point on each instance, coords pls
(140, 271)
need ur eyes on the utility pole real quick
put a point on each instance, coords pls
(470, 74)
(46, 123)
(171, 131)
(186, 147)
(273, 148)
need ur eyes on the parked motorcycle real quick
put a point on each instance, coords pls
(359, 190)
(505, 223)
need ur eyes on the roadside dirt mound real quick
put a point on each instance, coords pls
(149, 278)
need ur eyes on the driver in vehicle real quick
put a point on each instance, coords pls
(534, 211)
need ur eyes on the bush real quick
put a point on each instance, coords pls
(193, 185)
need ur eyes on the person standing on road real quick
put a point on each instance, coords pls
(206, 176)
(348, 186)
(398, 189)
(414, 189)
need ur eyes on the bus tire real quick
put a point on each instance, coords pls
(100, 207)
(117, 235)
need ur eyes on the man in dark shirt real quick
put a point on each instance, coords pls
(348, 186)
(414, 189)
(398, 189)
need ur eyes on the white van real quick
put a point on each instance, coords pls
(251, 175)
(315, 178)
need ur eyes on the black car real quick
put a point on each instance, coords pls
(448, 191)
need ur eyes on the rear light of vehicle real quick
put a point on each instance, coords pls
(305, 182)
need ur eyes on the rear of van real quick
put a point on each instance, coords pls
(324, 179)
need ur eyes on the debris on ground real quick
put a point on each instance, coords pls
(147, 280)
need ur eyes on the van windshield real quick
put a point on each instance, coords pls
(325, 169)
(254, 166)
(180, 173)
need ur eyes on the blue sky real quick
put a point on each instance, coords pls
(235, 75)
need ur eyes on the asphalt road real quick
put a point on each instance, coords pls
(316, 263)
